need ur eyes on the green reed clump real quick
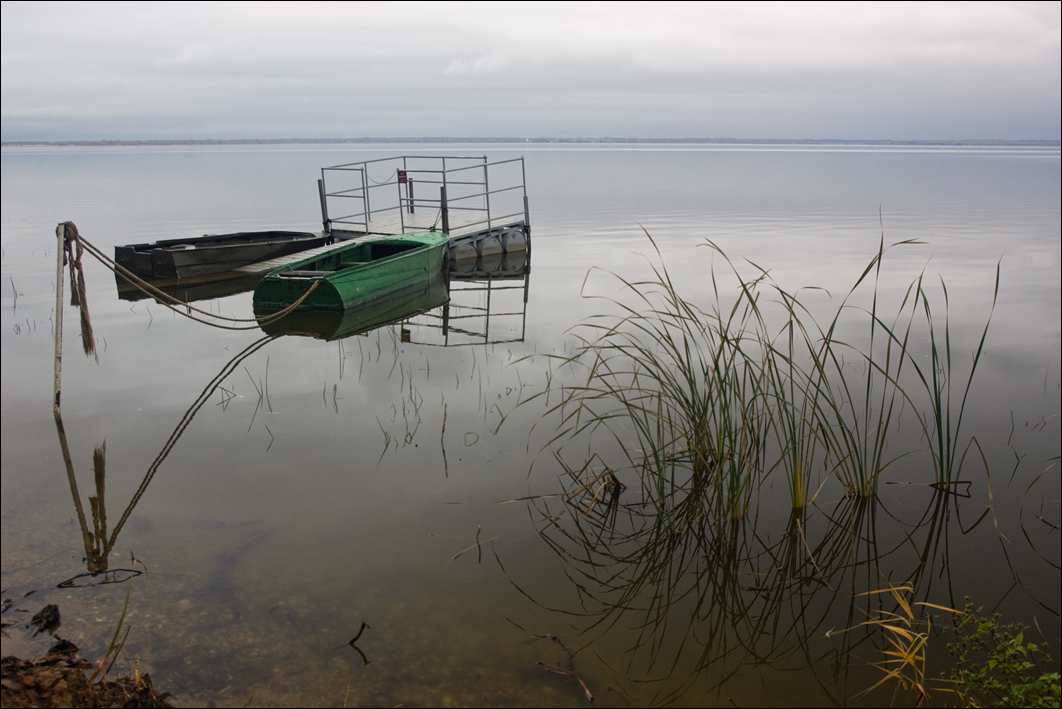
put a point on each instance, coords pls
(680, 389)
(706, 402)
(849, 407)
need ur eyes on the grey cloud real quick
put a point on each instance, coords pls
(786, 70)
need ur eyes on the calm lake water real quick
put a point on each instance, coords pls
(390, 478)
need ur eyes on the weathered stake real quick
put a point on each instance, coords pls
(60, 233)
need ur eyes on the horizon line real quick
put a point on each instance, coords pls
(538, 140)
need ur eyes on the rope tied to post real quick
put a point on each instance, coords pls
(73, 251)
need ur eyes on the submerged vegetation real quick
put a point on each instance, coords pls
(707, 403)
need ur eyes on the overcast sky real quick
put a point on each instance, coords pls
(791, 70)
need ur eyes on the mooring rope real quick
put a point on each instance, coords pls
(78, 294)
(165, 299)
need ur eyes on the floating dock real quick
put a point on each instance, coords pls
(481, 205)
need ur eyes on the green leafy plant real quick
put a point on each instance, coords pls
(997, 666)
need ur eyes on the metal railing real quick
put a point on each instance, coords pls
(464, 189)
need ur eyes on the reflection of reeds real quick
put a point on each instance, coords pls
(696, 601)
(690, 603)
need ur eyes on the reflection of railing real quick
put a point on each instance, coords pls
(473, 194)
(480, 299)
(460, 318)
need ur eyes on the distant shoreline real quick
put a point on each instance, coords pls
(539, 141)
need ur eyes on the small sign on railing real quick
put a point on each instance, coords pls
(402, 179)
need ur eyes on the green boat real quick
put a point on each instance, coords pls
(356, 273)
(337, 324)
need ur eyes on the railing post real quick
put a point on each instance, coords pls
(405, 171)
(486, 191)
(365, 196)
(409, 195)
(401, 212)
(446, 217)
(445, 209)
(324, 204)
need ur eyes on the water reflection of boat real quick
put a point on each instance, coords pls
(189, 290)
(363, 271)
(337, 324)
(185, 258)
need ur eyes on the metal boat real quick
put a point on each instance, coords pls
(362, 271)
(187, 258)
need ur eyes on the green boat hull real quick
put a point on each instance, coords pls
(354, 274)
(338, 324)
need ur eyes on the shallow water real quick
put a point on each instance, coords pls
(325, 484)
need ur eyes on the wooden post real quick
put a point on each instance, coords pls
(60, 233)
